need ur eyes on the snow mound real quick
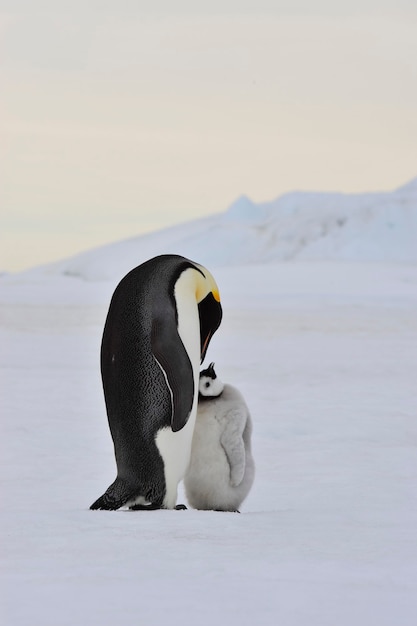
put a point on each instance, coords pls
(245, 211)
(300, 225)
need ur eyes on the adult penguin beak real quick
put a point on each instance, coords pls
(210, 312)
(205, 346)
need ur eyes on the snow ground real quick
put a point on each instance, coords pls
(325, 355)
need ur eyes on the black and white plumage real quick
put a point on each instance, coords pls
(160, 321)
(222, 469)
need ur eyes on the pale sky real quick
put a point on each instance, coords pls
(118, 119)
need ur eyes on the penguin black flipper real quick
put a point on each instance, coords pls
(172, 358)
(115, 496)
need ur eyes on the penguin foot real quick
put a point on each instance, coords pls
(144, 507)
(154, 507)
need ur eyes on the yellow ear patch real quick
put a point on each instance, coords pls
(206, 284)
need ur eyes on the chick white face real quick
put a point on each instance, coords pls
(210, 384)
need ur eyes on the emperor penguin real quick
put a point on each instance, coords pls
(161, 318)
(222, 468)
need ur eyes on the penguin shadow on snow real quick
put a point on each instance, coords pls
(222, 469)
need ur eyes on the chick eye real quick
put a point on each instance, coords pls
(206, 385)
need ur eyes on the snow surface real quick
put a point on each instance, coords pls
(325, 355)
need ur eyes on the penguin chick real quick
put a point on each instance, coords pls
(221, 470)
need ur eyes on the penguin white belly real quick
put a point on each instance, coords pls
(175, 447)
